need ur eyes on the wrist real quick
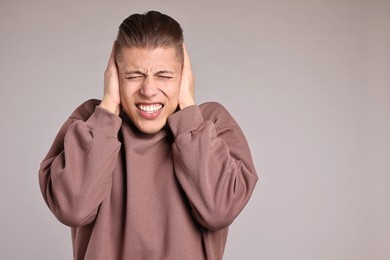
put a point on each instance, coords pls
(186, 103)
(110, 106)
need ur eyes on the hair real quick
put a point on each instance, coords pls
(151, 30)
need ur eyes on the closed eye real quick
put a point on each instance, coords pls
(133, 77)
(164, 77)
(165, 74)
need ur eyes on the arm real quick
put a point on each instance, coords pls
(75, 175)
(211, 158)
(213, 164)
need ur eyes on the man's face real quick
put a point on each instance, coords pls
(149, 82)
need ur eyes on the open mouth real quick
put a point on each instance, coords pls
(150, 108)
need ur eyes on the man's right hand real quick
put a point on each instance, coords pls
(111, 98)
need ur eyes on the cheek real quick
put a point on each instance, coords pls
(127, 89)
(126, 92)
(171, 90)
(122, 93)
(176, 89)
(175, 95)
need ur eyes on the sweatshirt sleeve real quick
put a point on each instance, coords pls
(213, 163)
(75, 175)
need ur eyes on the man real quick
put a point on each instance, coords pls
(145, 173)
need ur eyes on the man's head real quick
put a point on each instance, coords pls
(150, 30)
(149, 56)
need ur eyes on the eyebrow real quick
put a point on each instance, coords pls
(165, 72)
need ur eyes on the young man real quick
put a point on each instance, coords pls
(145, 173)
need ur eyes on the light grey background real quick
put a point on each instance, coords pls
(308, 81)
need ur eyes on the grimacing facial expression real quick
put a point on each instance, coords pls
(149, 82)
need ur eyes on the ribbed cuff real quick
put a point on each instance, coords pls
(186, 120)
(104, 121)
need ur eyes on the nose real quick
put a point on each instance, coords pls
(149, 87)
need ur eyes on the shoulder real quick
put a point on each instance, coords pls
(85, 110)
(217, 113)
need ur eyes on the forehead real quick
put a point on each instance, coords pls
(147, 59)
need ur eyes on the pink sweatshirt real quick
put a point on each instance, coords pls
(129, 195)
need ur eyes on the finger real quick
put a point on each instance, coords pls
(187, 70)
(112, 59)
(187, 63)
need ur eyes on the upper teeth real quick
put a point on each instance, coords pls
(151, 108)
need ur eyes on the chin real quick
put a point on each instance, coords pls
(149, 131)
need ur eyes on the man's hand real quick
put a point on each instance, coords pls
(187, 90)
(111, 99)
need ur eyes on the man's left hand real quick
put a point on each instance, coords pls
(187, 90)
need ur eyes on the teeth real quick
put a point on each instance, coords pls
(150, 109)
